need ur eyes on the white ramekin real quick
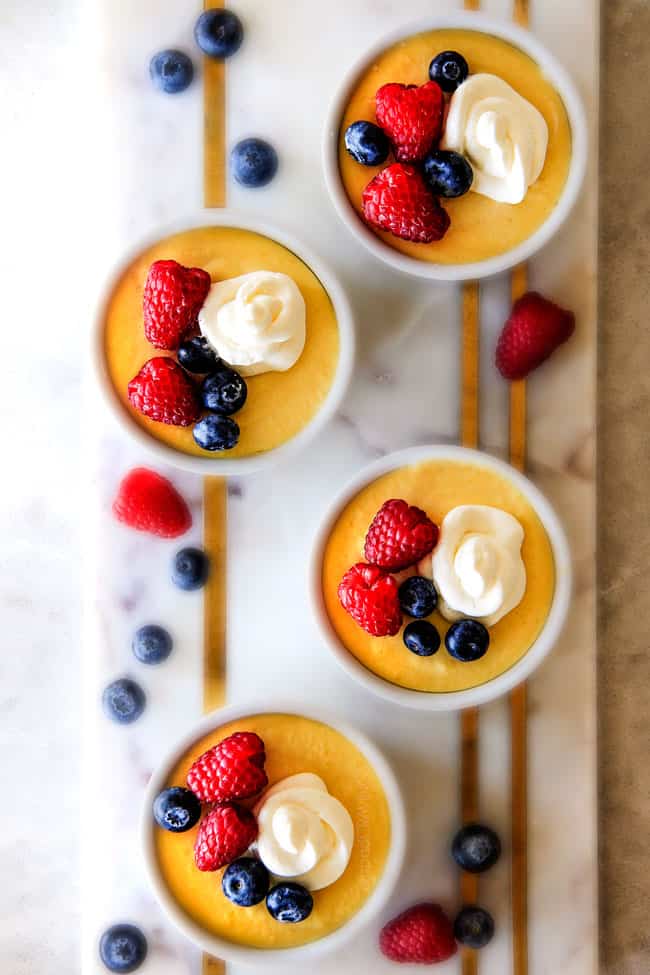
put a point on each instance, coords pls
(474, 696)
(373, 906)
(223, 465)
(480, 269)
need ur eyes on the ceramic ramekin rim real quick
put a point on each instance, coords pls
(519, 672)
(222, 465)
(375, 902)
(517, 36)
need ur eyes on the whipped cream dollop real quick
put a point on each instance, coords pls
(477, 565)
(502, 135)
(304, 832)
(256, 322)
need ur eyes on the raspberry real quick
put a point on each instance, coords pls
(150, 503)
(233, 769)
(399, 536)
(162, 391)
(535, 329)
(173, 296)
(423, 934)
(399, 201)
(411, 117)
(371, 597)
(224, 834)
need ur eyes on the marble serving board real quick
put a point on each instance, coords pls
(405, 390)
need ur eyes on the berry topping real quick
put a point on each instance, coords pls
(151, 644)
(171, 71)
(421, 637)
(122, 948)
(467, 640)
(253, 162)
(233, 769)
(176, 809)
(123, 701)
(411, 117)
(172, 299)
(476, 848)
(474, 927)
(224, 392)
(399, 536)
(535, 329)
(190, 568)
(224, 834)
(219, 33)
(371, 598)
(245, 882)
(418, 597)
(289, 903)
(367, 143)
(196, 356)
(399, 201)
(162, 391)
(150, 503)
(448, 69)
(215, 432)
(448, 173)
(423, 934)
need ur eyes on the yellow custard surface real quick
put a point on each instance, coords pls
(437, 486)
(293, 744)
(480, 228)
(279, 404)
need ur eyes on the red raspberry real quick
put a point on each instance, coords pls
(399, 536)
(233, 769)
(172, 299)
(411, 117)
(150, 503)
(534, 330)
(224, 834)
(163, 392)
(423, 934)
(398, 200)
(371, 597)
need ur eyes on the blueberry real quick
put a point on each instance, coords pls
(122, 948)
(216, 432)
(196, 356)
(190, 568)
(421, 637)
(171, 71)
(418, 597)
(448, 173)
(474, 927)
(123, 700)
(245, 882)
(219, 33)
(449, 69)
(476, 848)
(224, 392)
(253, 162)
(467, 640)
(289, 903)
(367, 143)
(176, 809)
(151, 644)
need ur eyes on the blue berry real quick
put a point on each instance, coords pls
(418, 597)
(176, 809)
(245, 882)
(190, 568)
(253, 162)
(215, 432)
(474, 927)
(448, 173)
(289, 903)
(122, 948)
(219, 33)
(224, 392)
(196, 356)
(421, 637)
(171, 71)
(367, 143)
(123, 700)
(476, 848)
(467, 640)
(449, 69)
(151, 644)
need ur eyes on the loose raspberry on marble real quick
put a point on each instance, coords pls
(233, 769)
(150, 503)
(534, 330)
(423, 935)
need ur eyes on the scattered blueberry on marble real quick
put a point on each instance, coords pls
(253, 162)
(224, 391)
(467, 640)
(176, 809)
(474, 927)
(123, 700)
(245, 882)
(367, 143)
(418, 597)
(216, 432)
(421, 637)
(449, 69)
(190, 568)
(476, 848)
(122, 948)
(171, 71)
(151, 644)
(289, 903)
(196, 356)
(448, 173)
(219, 33)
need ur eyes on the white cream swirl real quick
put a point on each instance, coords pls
(304, 832)
(477, 565)
(255, 322)
(502, 135)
